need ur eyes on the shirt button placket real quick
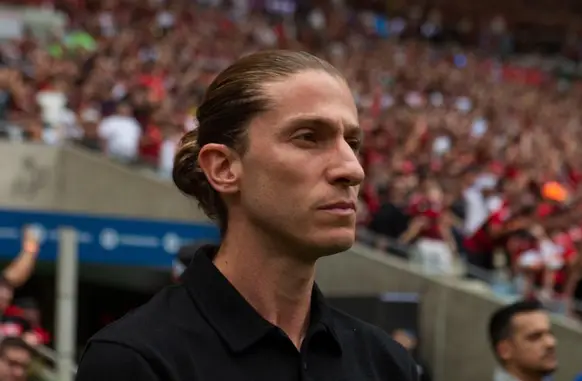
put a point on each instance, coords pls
(304, 375)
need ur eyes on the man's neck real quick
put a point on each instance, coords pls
(275, 283)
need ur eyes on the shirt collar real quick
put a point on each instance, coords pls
(502, 375)
(232, 317)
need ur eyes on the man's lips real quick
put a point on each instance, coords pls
(346, 206)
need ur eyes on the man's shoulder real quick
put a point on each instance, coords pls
(375, 343)
(145, 326)
(148, 343)
(115, 362)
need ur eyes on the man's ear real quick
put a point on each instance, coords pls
(504, 350)
(222, 168)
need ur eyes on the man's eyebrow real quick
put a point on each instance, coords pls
(311, 120)
(355, 131)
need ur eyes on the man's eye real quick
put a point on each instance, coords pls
(307, 136)
(356, 144)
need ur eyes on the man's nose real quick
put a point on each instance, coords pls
(551, 341)
(346, 168)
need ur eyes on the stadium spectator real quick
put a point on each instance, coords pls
(121, 134)
(22, 267)
(15, 359)
(572, 282)
(25, 312)
(15, 275)
(431, 227)
(6, 295)
(523, 342)
(409, 341)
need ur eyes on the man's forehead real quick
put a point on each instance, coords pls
(531, 321)
(312, 94)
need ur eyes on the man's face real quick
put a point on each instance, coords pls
(14, 364)
(124, 110)
(300, 175)
(404, 339)
(532, 346)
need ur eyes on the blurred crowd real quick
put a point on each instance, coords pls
(472, 151)
(21, 331)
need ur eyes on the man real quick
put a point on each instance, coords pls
(121, 134)
(504, 221)
(15, 359)
(391, 220)
(15, 275)
(523, 342)
(572, 282)
(431, 228)
(274, 162)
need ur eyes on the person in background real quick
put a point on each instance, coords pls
(572, 280)
(6, 295)
(89, 120)
(20, 269)
(15, 275)
(475, 205)
(121, 134)
(391, 220)
(431, 230)
(409, 341)
(507, 219)
(523, 342)
(15, 359)
(27, 311)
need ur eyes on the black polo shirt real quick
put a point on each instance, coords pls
(204, 330)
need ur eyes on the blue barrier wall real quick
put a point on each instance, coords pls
(104, 240)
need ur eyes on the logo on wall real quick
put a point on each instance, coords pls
(32, 178)
(109, 239)
(171, 243)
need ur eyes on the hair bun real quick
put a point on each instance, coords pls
(186, 173)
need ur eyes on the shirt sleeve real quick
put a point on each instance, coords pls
(113, 362)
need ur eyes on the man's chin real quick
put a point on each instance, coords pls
(548, 371)
(335, 244)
